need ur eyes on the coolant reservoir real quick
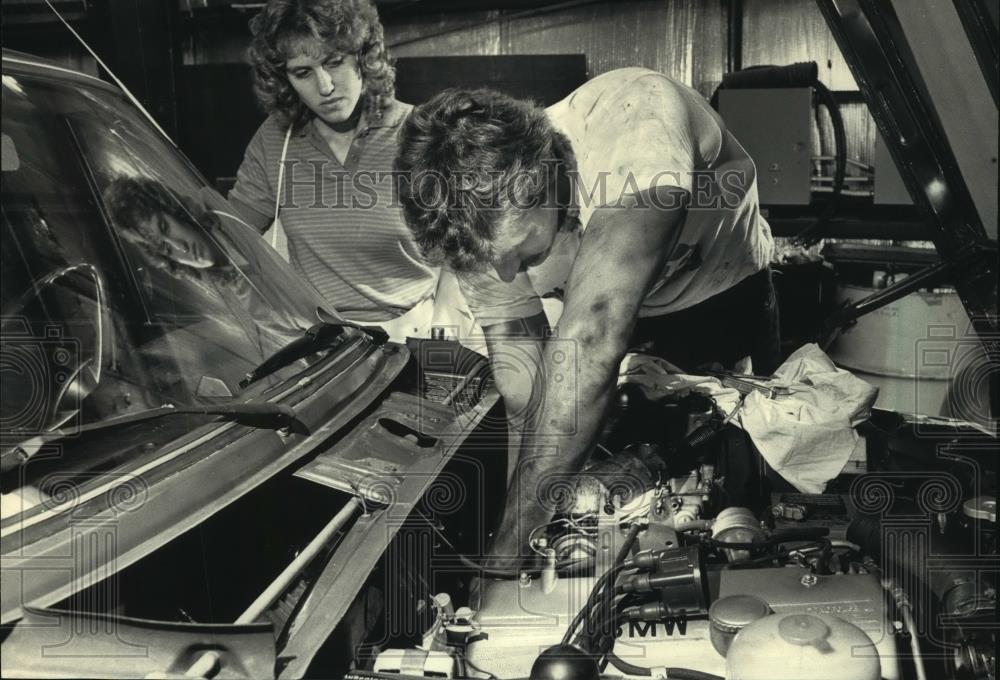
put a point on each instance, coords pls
(802, 647)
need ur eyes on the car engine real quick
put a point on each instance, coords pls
(678, 554)
(678, 610)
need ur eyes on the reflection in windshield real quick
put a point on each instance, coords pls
(127, 285)
(173, 245)
(149, 216)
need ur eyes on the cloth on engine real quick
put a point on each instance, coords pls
(806, 435)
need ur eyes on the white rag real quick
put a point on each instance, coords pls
(807, 435)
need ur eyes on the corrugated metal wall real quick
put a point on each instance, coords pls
(788, 31)
(686, 39)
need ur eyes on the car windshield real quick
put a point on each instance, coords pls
(127, 283)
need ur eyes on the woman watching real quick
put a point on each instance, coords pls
(321, 163)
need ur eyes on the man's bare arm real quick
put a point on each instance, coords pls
(624, 249)
(515, 349)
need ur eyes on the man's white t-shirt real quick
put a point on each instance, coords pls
(630, 130)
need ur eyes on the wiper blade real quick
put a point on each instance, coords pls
(314, 339)
(254, 414)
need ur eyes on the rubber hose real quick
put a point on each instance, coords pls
(672, 673)
(567, 568)
(803, 534)
(803, 74)
(840, 169)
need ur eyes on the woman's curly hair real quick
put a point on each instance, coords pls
(347, 26)
(132, 202)
(468, 163)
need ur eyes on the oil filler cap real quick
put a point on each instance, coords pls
(734, 612)
(729, 615)
(805, 630)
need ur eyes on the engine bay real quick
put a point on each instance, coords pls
(678, 553)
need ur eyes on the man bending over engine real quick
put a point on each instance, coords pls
(631, 202)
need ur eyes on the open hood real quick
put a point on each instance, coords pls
(928, 71)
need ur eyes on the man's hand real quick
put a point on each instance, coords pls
(622, 252)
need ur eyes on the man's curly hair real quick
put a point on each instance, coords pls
(468, 163)
(346, 26)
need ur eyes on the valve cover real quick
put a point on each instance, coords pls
(521, 621)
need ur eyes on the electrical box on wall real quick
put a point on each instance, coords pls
(775, 127)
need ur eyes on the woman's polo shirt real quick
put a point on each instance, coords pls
(345, 227)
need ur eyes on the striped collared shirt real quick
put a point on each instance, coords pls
(345, 229)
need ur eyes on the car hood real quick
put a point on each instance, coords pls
(140, 510)
(935, 103)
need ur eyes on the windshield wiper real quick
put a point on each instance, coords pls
(254, 414)
(315, 338)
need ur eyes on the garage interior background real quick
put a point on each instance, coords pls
(184, 59)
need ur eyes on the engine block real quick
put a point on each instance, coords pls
(520, 620)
